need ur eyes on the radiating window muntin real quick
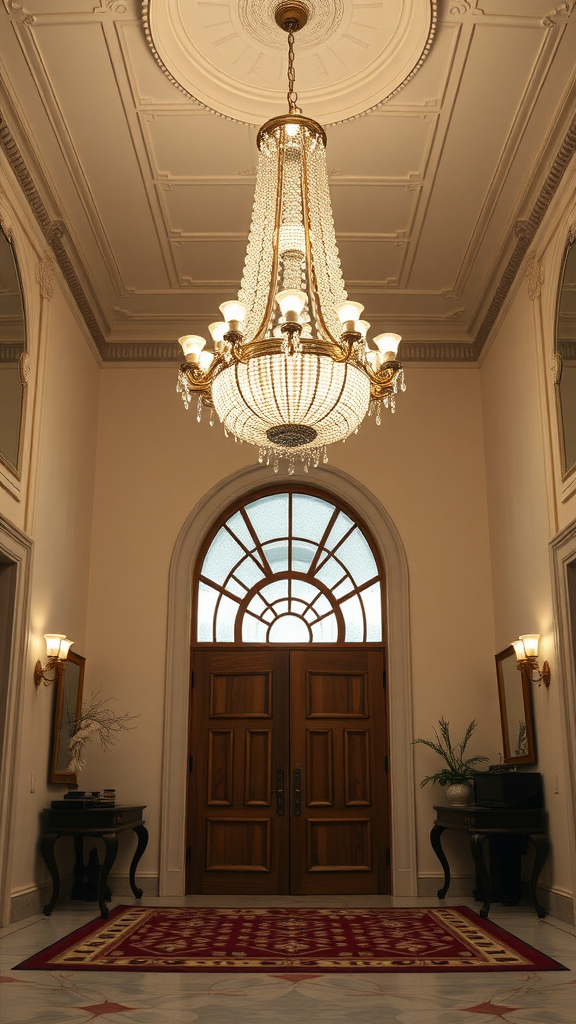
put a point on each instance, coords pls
(289, 567)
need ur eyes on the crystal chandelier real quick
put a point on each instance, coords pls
(291, 370)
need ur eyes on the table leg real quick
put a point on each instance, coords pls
(111, 844)
(435, 835)
(476, 845)
(142, 833)
(542, 846)
(79, 869)
(47, 850)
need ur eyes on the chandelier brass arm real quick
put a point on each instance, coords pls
(385, 380)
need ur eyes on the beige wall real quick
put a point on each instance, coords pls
(52, 504)
(425, 466)
(525, 509)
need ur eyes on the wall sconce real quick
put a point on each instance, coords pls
(526, 650)
(57, 647)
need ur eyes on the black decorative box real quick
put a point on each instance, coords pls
(508, 789)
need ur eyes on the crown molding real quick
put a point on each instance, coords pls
(53, 230)
(525, 230)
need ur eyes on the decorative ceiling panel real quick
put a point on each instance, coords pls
(155, 192)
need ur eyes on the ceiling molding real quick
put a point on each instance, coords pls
(525, 231)
(52, 231)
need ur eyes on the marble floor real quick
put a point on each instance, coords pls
(68, 997)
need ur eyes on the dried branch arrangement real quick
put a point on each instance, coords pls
(97, 719)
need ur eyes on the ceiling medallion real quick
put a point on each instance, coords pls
(291, 371)
(353, 54)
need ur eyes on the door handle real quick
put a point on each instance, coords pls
(297, 790)
(279, 791)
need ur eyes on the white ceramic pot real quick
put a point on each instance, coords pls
(459, 793)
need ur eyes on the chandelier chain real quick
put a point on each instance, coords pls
(293, 107)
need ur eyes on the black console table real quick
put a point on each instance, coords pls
(100, 823)
(481, 823)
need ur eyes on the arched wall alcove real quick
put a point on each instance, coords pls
(186, 550)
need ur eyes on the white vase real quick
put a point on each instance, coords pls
(459, 793)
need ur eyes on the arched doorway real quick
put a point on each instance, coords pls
(288, 788)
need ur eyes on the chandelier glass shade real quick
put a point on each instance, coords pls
(291, 370)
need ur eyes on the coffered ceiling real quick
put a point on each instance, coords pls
(155, 191)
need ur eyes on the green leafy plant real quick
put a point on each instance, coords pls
(458, 768)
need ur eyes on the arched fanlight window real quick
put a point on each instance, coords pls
(289, 567)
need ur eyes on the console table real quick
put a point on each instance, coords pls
(100, 823)
(480, 823)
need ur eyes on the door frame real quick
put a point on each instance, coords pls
(387, 540)
(17, 548)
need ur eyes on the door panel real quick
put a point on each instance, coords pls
(289, 791)
(238, 841)
(338, 723)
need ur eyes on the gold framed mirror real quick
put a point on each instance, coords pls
(515, 695)
(69, 693)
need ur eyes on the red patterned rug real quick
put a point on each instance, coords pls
(267, 940)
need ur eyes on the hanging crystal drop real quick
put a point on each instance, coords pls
(199, 409)
(378, 418)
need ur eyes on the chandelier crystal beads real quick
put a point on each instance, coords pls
(291, 371)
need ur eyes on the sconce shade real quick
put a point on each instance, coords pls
(53, 641)
(57, 645)
(530, 641)
(519, 651)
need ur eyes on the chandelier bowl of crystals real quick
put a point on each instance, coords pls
(291, 370)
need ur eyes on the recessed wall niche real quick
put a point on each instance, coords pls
(12, 352)
(565, 354)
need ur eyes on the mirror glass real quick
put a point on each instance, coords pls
(566, 360)
(69, 691)
(515, 710)
(12, 347)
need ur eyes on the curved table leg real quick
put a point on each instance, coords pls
(142, 833)
(111, 844)
(435, 835)
(541, 846)
(79, 869)
(47, 849)
(476, 845)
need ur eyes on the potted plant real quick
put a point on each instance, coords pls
(458, 774)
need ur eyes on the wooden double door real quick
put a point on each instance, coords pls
(288, 772)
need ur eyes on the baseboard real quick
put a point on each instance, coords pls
(460, 885)
(32, 899)
(555, 903)
(120, 885)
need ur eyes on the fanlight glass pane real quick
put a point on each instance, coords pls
(310, 516)
(287, 586)
(289, 629)
(253, 630)
(222, 556)
(207, 598)
(352, 612)
(237, 525)
(372, 600)
(325, 631)
(358, 558)
(277, 554)
(225, 619)
(269, 516)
